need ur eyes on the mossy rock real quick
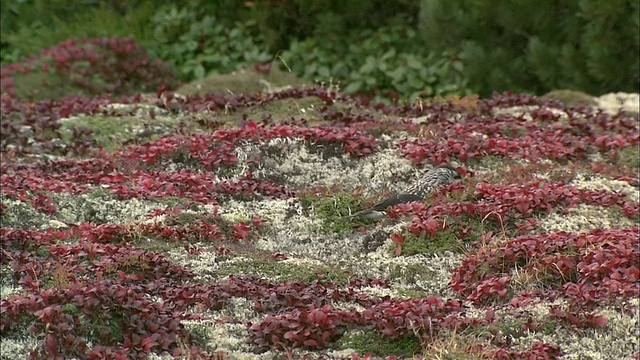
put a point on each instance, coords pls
(571, 98)
(245, 81)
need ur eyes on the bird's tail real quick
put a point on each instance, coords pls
(356, 214)
(368, 213)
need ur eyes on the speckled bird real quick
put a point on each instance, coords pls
(433, 179)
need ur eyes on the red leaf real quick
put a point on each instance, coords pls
(601, 320)
(397, 238)
(490, 315)
(52, 344)
(291, 335)
(311, 342)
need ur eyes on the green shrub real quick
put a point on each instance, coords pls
(31, 25)
(585, 45)
(86, 67)
(382, 61)
(200, 38)
(281, 22)
(196, 44)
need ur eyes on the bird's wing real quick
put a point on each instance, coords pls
(395, 200)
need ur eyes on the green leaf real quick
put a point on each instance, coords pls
(191, 45)
(371, 81)
(458, 66)
(353, 87)
(415, 83)
(324, 72)
(414, 63)
(397, 74)
(388, 55)
(199, 71)
(340, 69)
(369, 65)
(211, 59)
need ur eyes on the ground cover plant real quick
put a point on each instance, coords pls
(216, 225)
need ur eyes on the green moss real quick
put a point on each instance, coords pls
(411, 294)
(628, 157)
(71, 309)
(114, 132)
(548, 327)
(334, 210)
(458, 355)
(511, 131)
(510, 327)
(187, 217)
(438, 244)
(483, 270)
(377, 344)
(279, 271)
(99, 193)
(42, 251)
(112, 326)
(172, 201)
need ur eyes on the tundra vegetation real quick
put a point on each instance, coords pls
(142, 217)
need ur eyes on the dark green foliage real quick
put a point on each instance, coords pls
(196, 43)
(377, 61)
(282, 22)
(538, 46)
(30, 25)
(367, 46)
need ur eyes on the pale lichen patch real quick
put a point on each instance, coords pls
(599, 182)
(21, 215)
(304, 165)
(101, 207)
(12, 349)
(584, 218)
(608, 342)
(225, 330)
(204, 264)
(613, 102)
(7, 285)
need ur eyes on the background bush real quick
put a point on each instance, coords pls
(536, 46)
(382, 61)
(196, 43)
(406, 47)
(117, 66)
(27, 26)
